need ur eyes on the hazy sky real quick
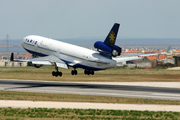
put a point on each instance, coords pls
(89, 18)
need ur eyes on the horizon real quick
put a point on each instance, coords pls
(156, 43)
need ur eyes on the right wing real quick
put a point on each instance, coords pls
(47, 60)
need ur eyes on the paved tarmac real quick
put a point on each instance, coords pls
(83, 105)
(166, 91)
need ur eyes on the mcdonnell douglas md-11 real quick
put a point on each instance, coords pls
(65, 55)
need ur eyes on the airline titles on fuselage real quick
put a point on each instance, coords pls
(34, 42)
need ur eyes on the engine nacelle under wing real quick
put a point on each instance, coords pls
(35, 65)
(112, 49)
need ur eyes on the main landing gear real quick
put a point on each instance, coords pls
(56, 73)
(87, 72)
(74, 72)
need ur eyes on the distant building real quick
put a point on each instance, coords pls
(7, 63)
(177, 60)
(144, 63)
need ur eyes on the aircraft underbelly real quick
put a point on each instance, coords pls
(80, 63)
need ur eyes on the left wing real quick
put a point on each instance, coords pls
(167, 50)
(48, 60)
(124, 58)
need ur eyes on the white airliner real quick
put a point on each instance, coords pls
(64, 55)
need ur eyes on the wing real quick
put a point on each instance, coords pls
(48, 60)
(124, 58)
(142, 55)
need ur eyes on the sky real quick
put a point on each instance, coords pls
(67, 19)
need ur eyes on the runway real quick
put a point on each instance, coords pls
(129, 89)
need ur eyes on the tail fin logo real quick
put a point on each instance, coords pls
(112, 37)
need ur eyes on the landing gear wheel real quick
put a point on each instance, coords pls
(60, 74)
(56, 73)
(74, 72)
(53, 73)
(87, 72)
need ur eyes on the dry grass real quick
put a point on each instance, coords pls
(110, 75)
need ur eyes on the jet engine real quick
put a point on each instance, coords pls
(35, 65)
(112, 49)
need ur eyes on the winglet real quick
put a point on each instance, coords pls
(12, 57)
(167, 50)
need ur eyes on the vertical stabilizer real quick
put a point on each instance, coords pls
(111, 38)
(12, 57)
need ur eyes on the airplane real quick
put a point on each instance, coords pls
(65, 55)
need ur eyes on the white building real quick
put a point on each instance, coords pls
(7, 63)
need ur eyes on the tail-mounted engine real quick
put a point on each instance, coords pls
(112, 49)
(108, 47)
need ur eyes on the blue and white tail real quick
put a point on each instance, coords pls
(108, 47)
(111, 38)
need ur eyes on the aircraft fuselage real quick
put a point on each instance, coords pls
(74, 56)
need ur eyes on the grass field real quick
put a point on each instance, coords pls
(110, 75)
(11, 95)
(81, 114)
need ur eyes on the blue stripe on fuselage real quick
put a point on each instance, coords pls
(35, 53)
(67, 62)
